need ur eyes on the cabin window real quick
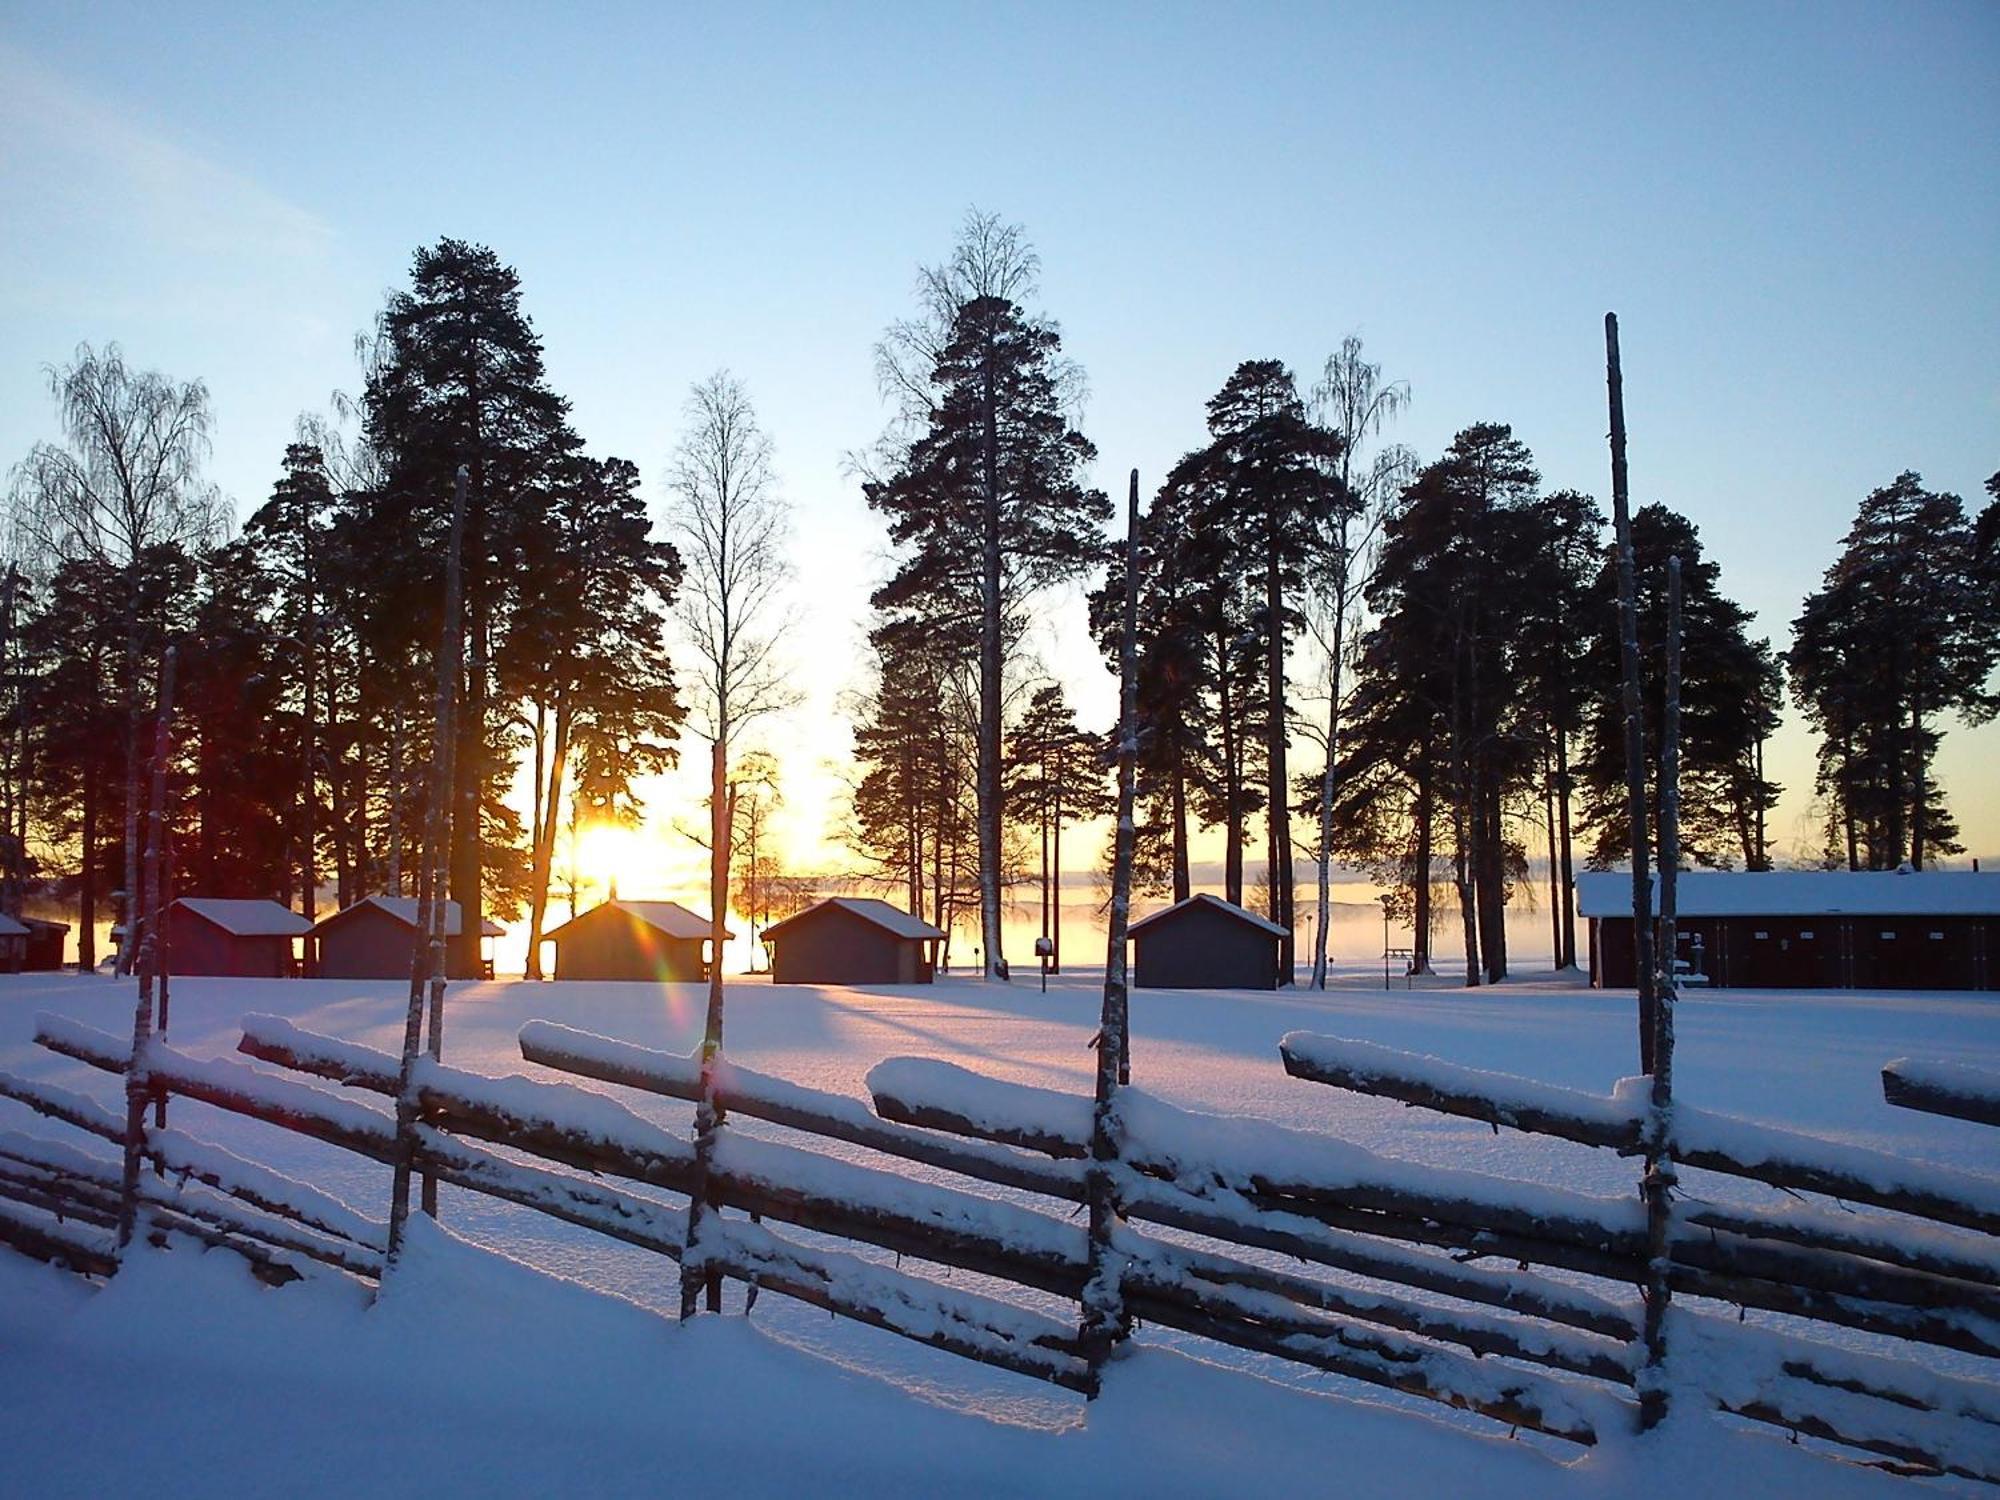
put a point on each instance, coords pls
(1762, 936)
(1937, 937)
(1887, 936)
(1806, 933)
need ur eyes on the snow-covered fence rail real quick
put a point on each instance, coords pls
(1286, 1222)
(1943, 1088)
(1933, 1281)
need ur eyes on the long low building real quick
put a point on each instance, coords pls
(1809, 929)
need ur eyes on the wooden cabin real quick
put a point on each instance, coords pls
(242, 939)
(46, 940)
(1809, 929)
(13, 945)
(853, 940)
(1205, 943)
(645, 940)
(372, 939)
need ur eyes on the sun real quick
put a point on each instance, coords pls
(611, 857)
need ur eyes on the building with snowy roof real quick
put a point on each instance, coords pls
(13, 945)
(46, 939)
(1205, 943)
(656, 940)
(373, 938)
(853, 940)
(1809, 929)
(242, 939)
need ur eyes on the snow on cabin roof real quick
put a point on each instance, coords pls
(881, 913)
(1803, 893)
(247, 918)
(1262, 923)
(10, 928)
(669, 917)
(45, 923)
(404, 910)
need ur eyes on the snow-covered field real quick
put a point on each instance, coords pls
(473, 1375)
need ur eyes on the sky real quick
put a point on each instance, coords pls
(1795, 211)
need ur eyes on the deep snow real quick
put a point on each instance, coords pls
(186, 1377)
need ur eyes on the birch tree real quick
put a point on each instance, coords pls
(126, 479)
(730, 527)
(1353, 401)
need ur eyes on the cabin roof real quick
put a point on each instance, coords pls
(404, 910)
(890, 918)
(11, 928)
(1203, 898)
(1802, 893)
(253, 918)
(668, 917)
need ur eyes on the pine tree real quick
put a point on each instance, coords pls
(1730, 698)
(586, 654)
(988, 506)
(460, 381)
(1056, 776)
(1903, 631)
(1275, 479)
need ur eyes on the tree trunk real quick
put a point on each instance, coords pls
(86, 892)
(989, 799)
(128, 909)
(1277, 809)
(1420, 877)
(549, 799)
(1055, 905)
(1182, 885)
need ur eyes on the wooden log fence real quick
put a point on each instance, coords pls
(1282, 1208)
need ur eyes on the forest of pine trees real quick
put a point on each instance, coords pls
(1346, 654)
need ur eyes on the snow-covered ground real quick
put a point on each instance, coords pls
(473, 1375)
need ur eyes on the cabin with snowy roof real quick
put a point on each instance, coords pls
(46, 939)
(13, 945)
(1809, 929)
(372, 939)
(1205, 943)
(651, 940)
(853, 940)
(240, 939)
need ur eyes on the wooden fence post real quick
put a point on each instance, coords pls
(1628, 660)
(138, 1086)
(427, 949)
(1660, 1178)
(708, 1112)
(1104, 1317)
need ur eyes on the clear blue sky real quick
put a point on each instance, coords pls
(1794, 209)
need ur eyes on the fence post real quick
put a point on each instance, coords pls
(1660, 1178)
(138, 1086)
(1104, 1319)
(427, 949)
(1628, 661)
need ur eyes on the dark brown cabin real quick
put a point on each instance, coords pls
(45, 944)
(1809, 929)
(241, 939)
(853, 940)
(13, 945)
(1205, 943)
(646, 940)
(372, 939)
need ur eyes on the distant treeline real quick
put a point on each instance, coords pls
(1439, 635)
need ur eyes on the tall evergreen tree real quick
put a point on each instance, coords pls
(1056, 778)
(988, 505)
(460, 381)
(587, 654)
(1277, 486)
(1904, 630)
(1730, 699)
